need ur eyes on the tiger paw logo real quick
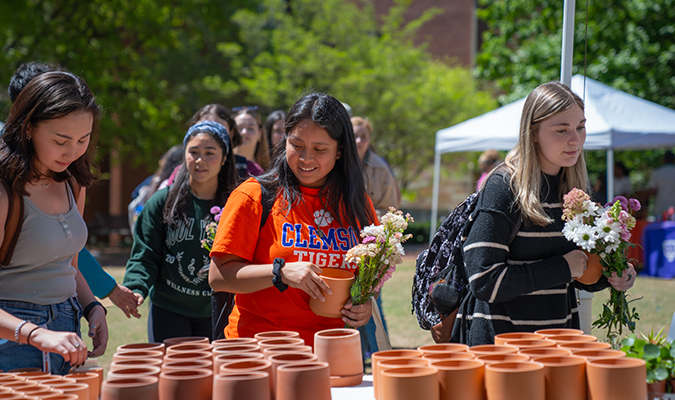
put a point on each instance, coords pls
(322, 218)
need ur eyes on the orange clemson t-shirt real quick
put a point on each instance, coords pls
(292, 235)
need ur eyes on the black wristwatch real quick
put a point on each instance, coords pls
(278, 264)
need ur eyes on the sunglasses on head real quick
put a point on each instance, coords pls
(250, 108)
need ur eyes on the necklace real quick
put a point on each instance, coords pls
(45, 186)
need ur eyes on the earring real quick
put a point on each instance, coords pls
(30, 138)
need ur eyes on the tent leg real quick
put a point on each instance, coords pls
(610, 175)
(434, 198)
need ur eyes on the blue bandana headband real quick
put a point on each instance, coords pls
(213, 127)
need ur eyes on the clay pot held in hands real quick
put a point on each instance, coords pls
(245, 385)
(340, 282)
(593, 270)
(145, 388)
(309, 381)
(341, 349)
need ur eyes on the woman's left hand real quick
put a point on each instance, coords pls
(98, 331)
(356, 316)
(626, 280)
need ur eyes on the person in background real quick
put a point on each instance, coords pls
(486, 163)
(168, 263)
(319, 195)
(622, 185)
(274, 128)
(600, 189)
(383, 191)
(254, 145)
(662, 185)
(45, 155)
(101, 283)
(169, 161)
(527, 283)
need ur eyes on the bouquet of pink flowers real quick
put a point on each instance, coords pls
(378, 254)
(604, 231)
(211, 228)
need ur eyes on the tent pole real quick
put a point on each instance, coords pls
(434, 198)
(610, 175)
(567, 43)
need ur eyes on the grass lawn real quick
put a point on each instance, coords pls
(655, 308)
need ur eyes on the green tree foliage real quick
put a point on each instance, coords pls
(340, 47)
(143, 59)
(631, 47)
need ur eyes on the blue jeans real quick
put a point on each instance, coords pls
(368, 339)
(63, 317)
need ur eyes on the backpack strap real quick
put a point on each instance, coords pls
(12, 224)
(266, 200)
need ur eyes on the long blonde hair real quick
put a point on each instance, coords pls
(523, 161)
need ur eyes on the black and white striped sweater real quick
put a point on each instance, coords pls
(523, 287)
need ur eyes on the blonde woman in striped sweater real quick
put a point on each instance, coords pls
(528, 284)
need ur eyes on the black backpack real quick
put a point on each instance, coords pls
(223, 302)
(440, 282)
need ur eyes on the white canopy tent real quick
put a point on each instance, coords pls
(615, 120)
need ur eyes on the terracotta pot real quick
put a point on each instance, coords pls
(383, 365)
(233, 342)
(5, 390)
(132, 347)
(448, 356)
(502, 338)
(146, 388)
(189, 356)
(38, 391)
(340, 281)
(183, 339)
(515, 381)
(309, 381)
(278, 360)
(31, 374)
(559, 331)
(248, 385)
(138, 355)
(443, 348)
(90, 379)
(62, 396)
(581, 346)
(593, 270)
(284, 350)
(565, 377)
(545, 352)
(524, 344)
(486, 349)
(566, 339)
(133, 372)
(12, 396)
(267, 343)
(194, 384)
(187, 364)
(655, 389)
(405, 383)
(240, 348)
(79, 389)
(231, 357)
(18, 370)
(18, 384)
(189, 348)
(6, 376)
(488, 359)
(590, 355)
(238, 367)
(616, 379)
(97, 370)
(55, 381)
(460, 379)
(378, 356)
(149, 362)
(341, 349)
(275, 335)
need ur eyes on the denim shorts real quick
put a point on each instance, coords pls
(63, 317)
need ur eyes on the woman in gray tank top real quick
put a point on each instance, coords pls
(44, 156)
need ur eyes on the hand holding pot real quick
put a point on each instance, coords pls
(305, 276)
(356, 316)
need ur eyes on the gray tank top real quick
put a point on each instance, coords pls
(40, 271)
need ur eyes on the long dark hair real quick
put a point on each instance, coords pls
(175, 207)
(223, 113)
(344, 192)
(48, 96)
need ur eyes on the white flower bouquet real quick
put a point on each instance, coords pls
(604, 231)
(378, 254)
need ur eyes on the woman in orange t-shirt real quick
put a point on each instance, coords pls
(320, 204)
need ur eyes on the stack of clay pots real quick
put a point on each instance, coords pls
(31, 383)
(545, 365)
